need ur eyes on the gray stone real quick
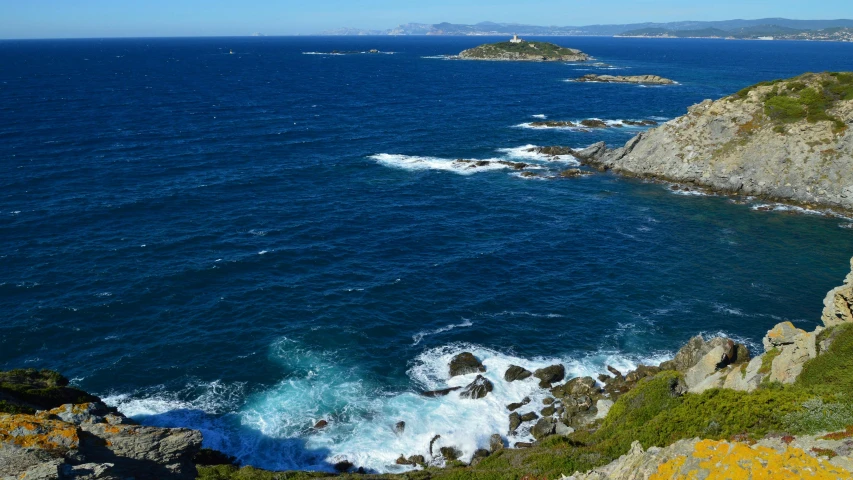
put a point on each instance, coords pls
(549, 375)
(544, 427)
(838, 304)
(495, 442)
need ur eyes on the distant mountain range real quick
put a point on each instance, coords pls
(726, 28)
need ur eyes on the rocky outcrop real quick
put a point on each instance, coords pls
(838, 304)
(635, 79)
(770, 458)
(785, 140)
(465, 363)
(525, 51)
(93, 441)
(28, 390)
(549, 375)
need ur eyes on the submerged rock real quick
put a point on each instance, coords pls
(517, 405)
(574, 172)
(440, 393)
(465, 363)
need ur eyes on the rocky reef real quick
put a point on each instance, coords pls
(524, 51)
(786, 140)
(635, 79)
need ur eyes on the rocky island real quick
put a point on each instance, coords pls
(523, 50)
(785, 140)
(635, 79)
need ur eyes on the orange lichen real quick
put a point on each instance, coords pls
(712, 460)
(30, 431)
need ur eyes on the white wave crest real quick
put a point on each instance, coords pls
(420, 335)
(413, 162)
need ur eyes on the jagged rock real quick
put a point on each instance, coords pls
(548, 401)
(321, 424)
(479, 388)
(417, 460)
(465, 363)
(782, 334)
(788, 365)
(616, 373)
(399, 427)
(33, 390)
(514, 372)
(432, 442)
(635, 79)
(838, 304)
(641, 372)
(440, 393)
(120, 448)
(495, 442)
(343, 466)
(402, 460)
(450, 453)
(553, 124)
(548, 411)
(549, 375)
(592, 152)
(576, 386)
(544, 427)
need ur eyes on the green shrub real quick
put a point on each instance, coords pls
(784, 109)
(819, 416)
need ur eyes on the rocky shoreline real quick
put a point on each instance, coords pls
(785, 141)
(49, 430)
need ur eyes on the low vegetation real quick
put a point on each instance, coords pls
(809, 97)
(28, 390)
(534, 49)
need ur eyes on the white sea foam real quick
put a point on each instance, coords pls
(413, 162)
(528, 153)
(420, 335)
(272, 429)
(540, 116)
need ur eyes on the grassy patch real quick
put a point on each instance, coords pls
(767, 360)
(833, 370)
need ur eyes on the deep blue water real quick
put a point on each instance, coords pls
(247, 243)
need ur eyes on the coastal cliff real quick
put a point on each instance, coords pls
(524, 51)
(787, 140)
(713, 410)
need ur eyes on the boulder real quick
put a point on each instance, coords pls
(343, 466)
(465, 363)
(782, 334)
(479, 388)
(838, 304)
(514, 372)
(549, 375)
(697, 349)
(417, 460)
(399, 427)
(548, 411)
(529, 417)
(788, 365)
(321, 425)
(544, 427)
(563, 429)
(592, 152)
(593, 123)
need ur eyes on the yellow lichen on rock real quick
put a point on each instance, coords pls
(719, 460)
(30, 431)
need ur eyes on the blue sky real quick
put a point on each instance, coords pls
(133, 18)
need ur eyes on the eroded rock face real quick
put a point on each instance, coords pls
(465, 363)
(733, 145)
(838, 304)
(93, 441)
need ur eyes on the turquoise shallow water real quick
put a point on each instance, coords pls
(249, 243)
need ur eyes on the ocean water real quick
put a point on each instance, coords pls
(248, 243)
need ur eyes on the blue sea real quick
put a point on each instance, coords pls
(247, 243)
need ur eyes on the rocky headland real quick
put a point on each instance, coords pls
(786, 140)
(525, 51)
(634, 79)
(715, 410)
